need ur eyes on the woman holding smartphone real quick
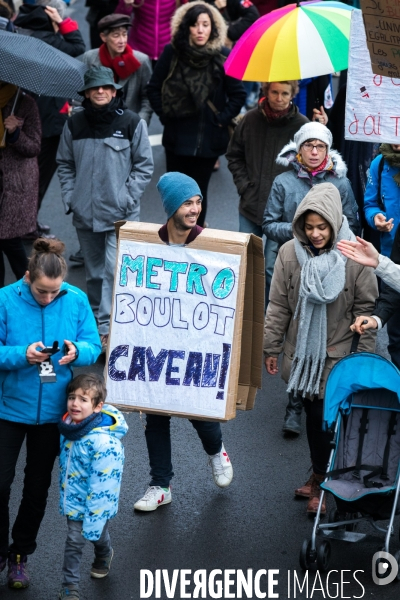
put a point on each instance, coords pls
(35, 312)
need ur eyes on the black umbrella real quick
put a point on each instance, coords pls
(38, 67)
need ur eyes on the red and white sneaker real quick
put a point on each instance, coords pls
(154, 497)
(221, 468)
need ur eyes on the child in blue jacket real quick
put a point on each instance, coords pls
(91, 463)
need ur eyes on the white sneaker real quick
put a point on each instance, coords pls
(221, 468)
(154, 497)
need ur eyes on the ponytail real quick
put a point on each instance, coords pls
(46, 260)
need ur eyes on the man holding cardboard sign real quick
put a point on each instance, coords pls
(181, 199)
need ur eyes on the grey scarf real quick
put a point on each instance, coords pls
(322, 280)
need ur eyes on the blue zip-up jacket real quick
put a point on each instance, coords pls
(390, 194)
(91, 472)
(23, 398)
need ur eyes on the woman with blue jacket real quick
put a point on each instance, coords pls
(382, 195)
(35, 312)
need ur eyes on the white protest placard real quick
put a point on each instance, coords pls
(372, 101)
(172, 328)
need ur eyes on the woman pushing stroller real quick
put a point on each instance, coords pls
(316, 294)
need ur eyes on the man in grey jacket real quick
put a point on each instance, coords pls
(131, 69)
(105, 162)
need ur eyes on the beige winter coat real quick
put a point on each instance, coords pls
(357, 297)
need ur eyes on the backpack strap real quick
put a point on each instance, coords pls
(381, 204)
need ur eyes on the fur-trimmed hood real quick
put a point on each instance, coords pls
(218, 19)
(288, 153)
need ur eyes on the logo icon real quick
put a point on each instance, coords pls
(384, 568)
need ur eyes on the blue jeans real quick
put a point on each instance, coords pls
(270, 249)
(73, 551)
(158, 440)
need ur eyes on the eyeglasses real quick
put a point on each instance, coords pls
(102, 87)
(310, 147)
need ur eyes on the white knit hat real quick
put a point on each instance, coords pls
(313, 131)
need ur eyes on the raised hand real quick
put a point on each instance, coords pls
(361, 252)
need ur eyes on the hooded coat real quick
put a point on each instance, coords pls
(252, 153)
(91, 472)
(23, 398)
(239, 14)
(288, 190)
(357, 297)
(205, 134)
(19, 173)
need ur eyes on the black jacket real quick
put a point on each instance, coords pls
(388, 301)
(33, 21)
(239, 14)
(205, 135)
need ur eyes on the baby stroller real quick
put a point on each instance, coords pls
(362, 410)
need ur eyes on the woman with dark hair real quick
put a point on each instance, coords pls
(35, 312)
(193, 97)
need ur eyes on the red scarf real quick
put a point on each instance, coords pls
(123, 66)
(272, 115)
(322, 167)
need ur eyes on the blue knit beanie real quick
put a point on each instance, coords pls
(175, 188)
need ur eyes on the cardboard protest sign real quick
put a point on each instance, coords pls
(176, 325)
(382, 28)
(372, 101)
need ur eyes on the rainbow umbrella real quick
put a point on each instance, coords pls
(301, 40)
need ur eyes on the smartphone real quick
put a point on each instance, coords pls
(50, 350)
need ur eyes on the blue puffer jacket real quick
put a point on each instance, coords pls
(91, 472)
(23, 398)
(390, 194)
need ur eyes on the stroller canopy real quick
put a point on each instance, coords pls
(359, 371)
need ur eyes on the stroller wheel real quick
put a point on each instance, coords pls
(323, 556)
(307, 558)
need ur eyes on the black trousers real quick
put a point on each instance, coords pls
(200, 169)
(47, 164)
(158, 440)
(393, 331)
(42, 447)
(15, 251)
(318, 440)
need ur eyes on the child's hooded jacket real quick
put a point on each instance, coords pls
(91, 472)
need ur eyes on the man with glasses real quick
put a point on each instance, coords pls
(131, 69)
(312, 161)
(105, 162)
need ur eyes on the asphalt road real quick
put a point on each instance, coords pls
(254, 524)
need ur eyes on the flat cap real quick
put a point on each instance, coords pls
(113, 21)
